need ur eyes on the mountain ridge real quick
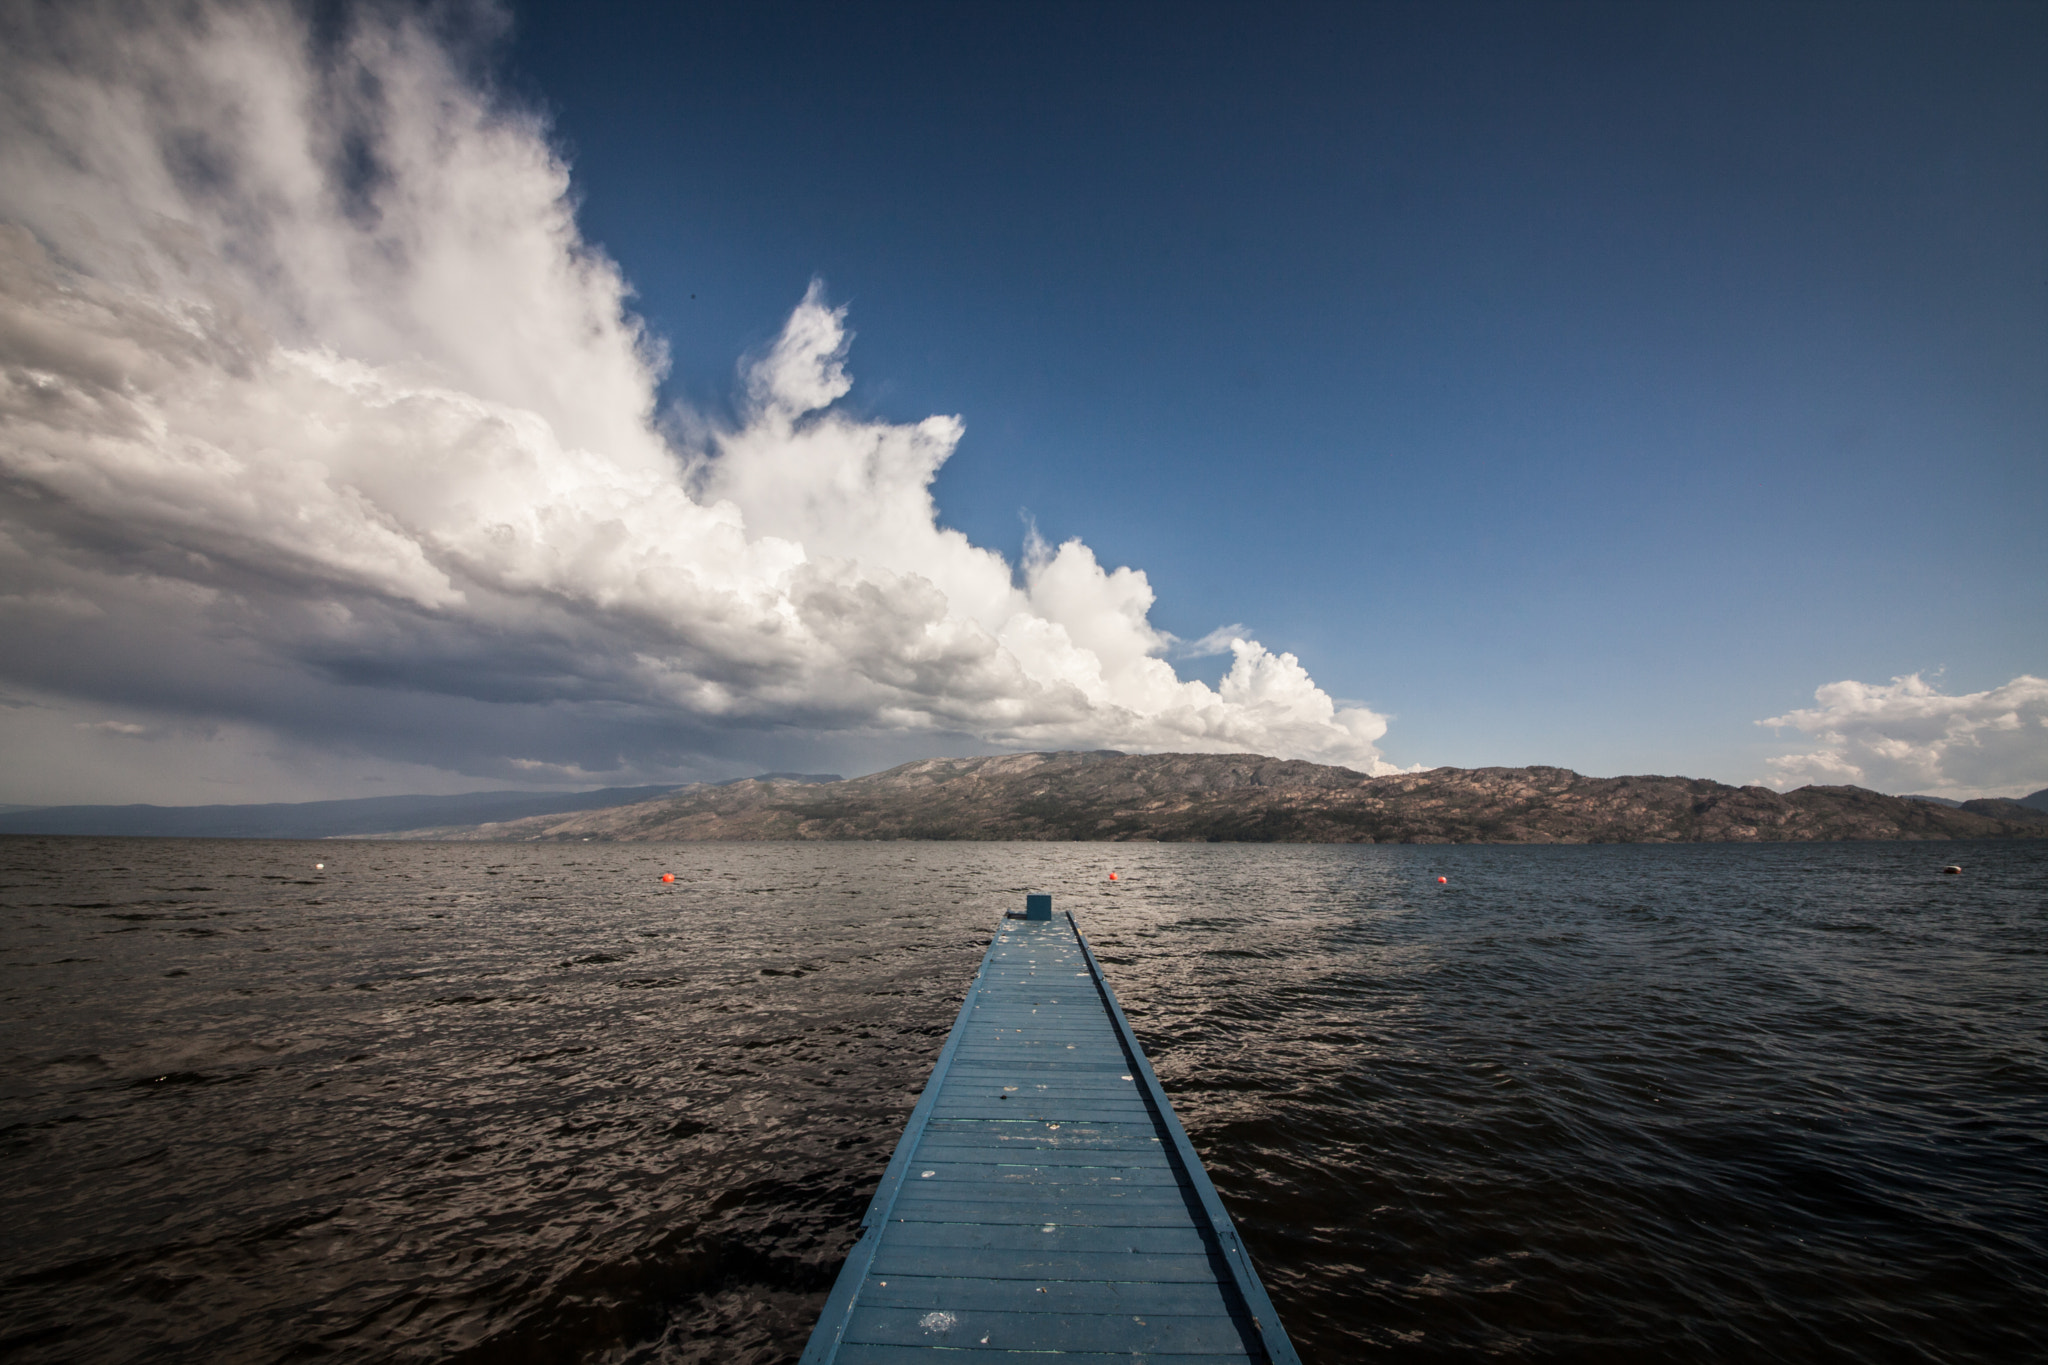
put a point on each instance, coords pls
(1104, 795)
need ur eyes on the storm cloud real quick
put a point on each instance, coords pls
(322, 427)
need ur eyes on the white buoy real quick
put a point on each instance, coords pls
(319, 867)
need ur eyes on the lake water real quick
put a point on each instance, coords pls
(528, 1103)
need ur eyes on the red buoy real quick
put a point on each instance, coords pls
(1112, 876)
(668, 876)
(1443, 881)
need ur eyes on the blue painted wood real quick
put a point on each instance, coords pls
(1043, 1197)
(924, 1292)
(862, 1353)
(1042, 1267)
(1024, 1171)
(1118, 1333)
(1067, 1213)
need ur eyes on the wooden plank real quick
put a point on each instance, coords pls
(1037, 1114)
(1064, 1023)
(1085, 1059)
(1051, 1122)
(1116, 1333)
(1050, 1239)
(1056, 1158)
(1011, 1204)
(1012, 1054)
(1046, 1129)
(991, 1135)
(1026, 1124)
(1035, 1137)
(1004, 1099)
(1082, 1296)
(1061, 1064)
(989, 1078)
(974, 1103)
(1049, 1134)
(1045, 1173)
(1024, 1015)
(926, 1292)
(1095, 1196)
(1049, 1107)
(867, 1353)
(1046, 1070)
(1041, 1267)
(1098, 1213)
(1004, 1087)
(1028, 1091)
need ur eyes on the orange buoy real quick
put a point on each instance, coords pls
(1443, 881)
(668, 876)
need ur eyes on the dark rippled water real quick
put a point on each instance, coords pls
(489, 1103)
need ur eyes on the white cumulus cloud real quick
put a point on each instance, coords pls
(1907, 736)
(317, 414)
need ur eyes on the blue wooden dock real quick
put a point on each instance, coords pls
(1043, 1198)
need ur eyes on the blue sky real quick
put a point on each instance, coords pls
(1577, 383)
(1570, 384)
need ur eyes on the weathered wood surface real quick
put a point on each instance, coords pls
(1044, 1197)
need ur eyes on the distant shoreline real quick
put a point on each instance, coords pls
(1105, 796)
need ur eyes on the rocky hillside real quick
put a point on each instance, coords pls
(1243, 797)
(2019, 812)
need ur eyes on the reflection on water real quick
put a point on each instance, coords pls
(481, 1102)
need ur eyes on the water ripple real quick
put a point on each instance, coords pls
(487, 1103)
